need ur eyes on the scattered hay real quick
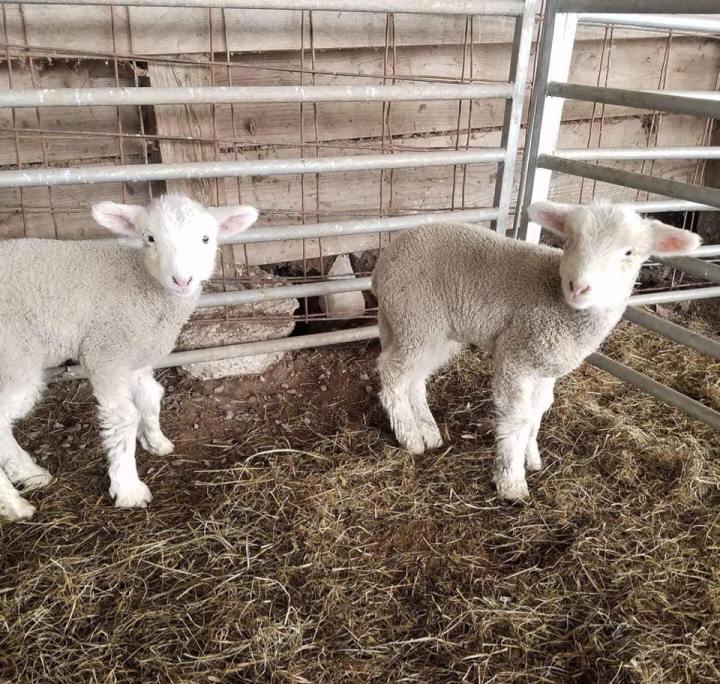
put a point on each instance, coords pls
(290, 540)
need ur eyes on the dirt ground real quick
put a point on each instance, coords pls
(290, 540)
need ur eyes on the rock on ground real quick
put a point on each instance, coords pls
(342, 304)
(221, 326)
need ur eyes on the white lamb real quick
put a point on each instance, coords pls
(539, 311)
(117, 307)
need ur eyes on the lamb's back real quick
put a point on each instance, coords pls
(471, 277)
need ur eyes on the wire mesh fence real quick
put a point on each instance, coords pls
(208, 47)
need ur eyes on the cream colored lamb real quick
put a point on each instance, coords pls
(540, 311)
(117, 307)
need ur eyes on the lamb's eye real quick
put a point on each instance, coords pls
(628, 253)
(150, 239)
(206, 239)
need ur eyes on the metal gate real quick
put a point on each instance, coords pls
(551, 91)
(511, 92)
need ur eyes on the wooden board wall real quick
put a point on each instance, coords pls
(167, 31)
(266, 46)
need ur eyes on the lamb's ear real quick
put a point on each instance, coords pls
(234, 219)
(119, 218)
(667, 240)
(551, 215)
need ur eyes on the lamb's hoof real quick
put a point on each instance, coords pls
(133, 495)
(159, 446)
(512, 490)
(35, 479)
(17, 509)
(533, 462)
(432, 439)
(415, 445)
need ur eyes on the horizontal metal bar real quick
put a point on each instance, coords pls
(657, 389)
(703, 104)
(674, 296)
(136, 173)
(676, 333)
(359, 227)
(93, 97)
(638, 6)
(696, 267)
(661, 186)
(658, 206)
(622, 153)
(480, 7)
(269, 294)
(707, 251)
(702, 251)
(266, 294)
(663, 22)
(233, 351)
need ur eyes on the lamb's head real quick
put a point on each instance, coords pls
(179, 237)
(605, 246)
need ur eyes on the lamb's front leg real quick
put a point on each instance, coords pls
(119, 422)
(542, 400)
(147, 395)
(513, 397)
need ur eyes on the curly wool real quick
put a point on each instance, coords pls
(105, 310)
(539, 311)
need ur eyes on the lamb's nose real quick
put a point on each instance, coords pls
(182, 282)
(579, 289)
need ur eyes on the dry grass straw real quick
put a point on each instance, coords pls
(293, 542)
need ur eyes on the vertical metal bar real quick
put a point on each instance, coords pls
(303, 216)
(43, 140)
(555, 48)
(384, 120)
(118, 110)
(141, 117)
(591, 127)
(519, 69)
(601, 128)
(654, 130)
(466, 32)
(468, 132)
(13, 114)
(316, 129)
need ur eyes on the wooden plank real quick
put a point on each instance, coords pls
(71, 217)
(157, 30)
(694, 64)
(341, 195)
(190, 120)
(82, 120)
(185, 121)
(353, 195)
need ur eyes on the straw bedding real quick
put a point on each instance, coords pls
(291, 541)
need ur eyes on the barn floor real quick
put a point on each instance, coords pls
(290, 540)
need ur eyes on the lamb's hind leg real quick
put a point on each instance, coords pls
(397, 369)
(431, 360)
(147, 395)
(17, 397)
